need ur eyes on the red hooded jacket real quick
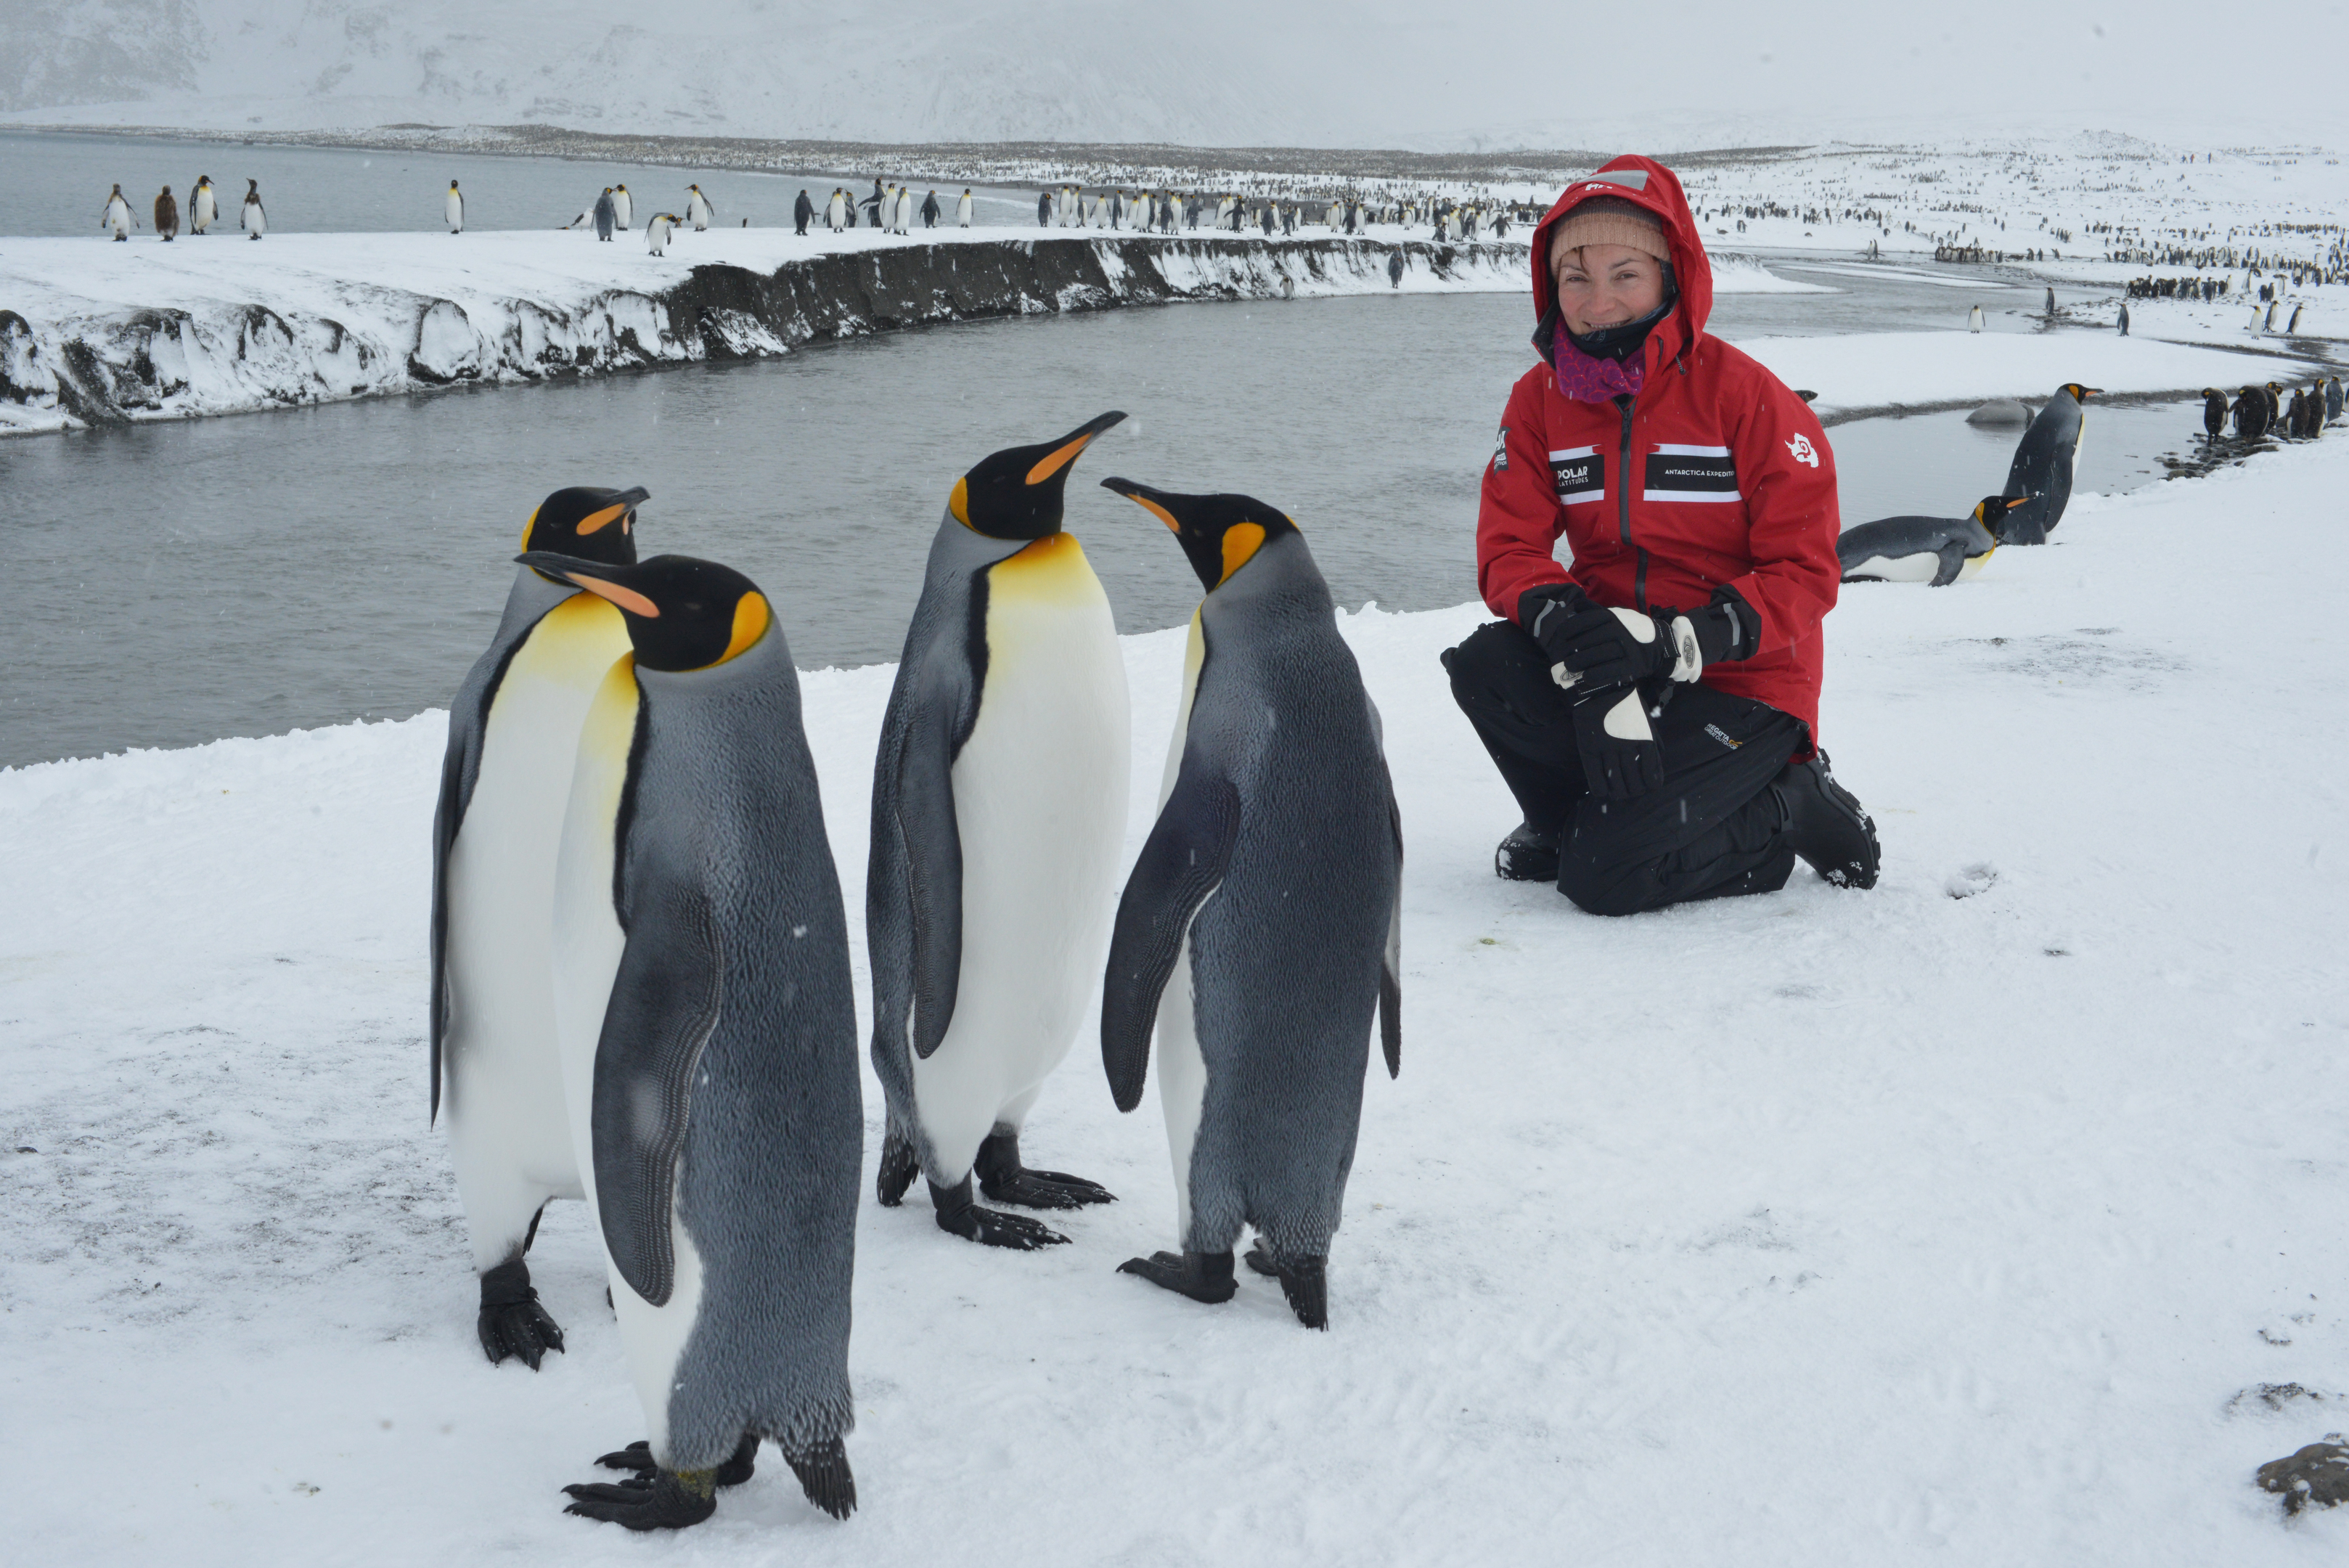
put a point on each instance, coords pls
(1715, 476)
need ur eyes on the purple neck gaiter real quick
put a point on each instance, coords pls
(1588, 380)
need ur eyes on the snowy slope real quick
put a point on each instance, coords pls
(1962, 1221)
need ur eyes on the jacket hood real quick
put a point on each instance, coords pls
(1644, 182)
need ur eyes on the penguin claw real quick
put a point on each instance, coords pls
(959, 1216)
(1044, 1190)
(1202, 1276)
(666, 1500)
(511, 1321)
(638, 1457)
(1304, 1284)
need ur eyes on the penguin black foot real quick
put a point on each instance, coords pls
(1002, 1177)
(824, 1476)
(512, 1323)
(1305, 1284)
(638, 1457)
(959, 1216)
(668, 1500)
(898, 1166)
(1202, 1276)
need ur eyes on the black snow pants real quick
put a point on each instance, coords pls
(1713, 830)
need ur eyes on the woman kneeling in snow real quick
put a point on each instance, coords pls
(1653, 705)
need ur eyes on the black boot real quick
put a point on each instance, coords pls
(1526, 856)
(1825, 824)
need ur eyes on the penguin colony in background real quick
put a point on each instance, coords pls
(1940, 551)
(641, 992)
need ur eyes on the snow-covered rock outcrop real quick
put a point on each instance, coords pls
(92, 332)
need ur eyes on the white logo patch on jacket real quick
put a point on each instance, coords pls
(1579, 473)
(1677, 473)
(1501, 450)
(1803, 450)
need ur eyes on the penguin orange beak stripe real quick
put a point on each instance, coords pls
(628, 599)
(1057, 460)
(596, 520)
(1159, 512)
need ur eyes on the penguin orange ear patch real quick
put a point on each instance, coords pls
(628, 599)
(1241, 542)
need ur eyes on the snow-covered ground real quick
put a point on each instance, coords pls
(1961, 1222)
(224, 324)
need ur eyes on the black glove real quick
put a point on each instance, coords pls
(1619, 755)
(1596, 647)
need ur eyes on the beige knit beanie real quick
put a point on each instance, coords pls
(1608, 221)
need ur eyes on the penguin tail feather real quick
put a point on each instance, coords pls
(825, 1476)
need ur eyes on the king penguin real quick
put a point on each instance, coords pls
(116, 215)
(2041, 474)
(1937, 551)
(707, 1018)
(203, 205)
(513, 730)
(657, 229)
(999, 817)
(254, 218)
(698, 211)
(167, 217)
(1261, 928)
(2214, 412)
(452, 209)
(624, 207)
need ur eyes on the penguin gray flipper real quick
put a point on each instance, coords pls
(1180, 865)
(1952, 556)
(663, 1006)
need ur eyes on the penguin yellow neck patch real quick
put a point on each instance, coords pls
(527, 526)
(750, 618)
(1241, 542)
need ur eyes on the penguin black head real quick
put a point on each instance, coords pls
(1990, 512)
(2081, 394)
(1220, 534)
(682, 614)
(587, 523)
(1016, 493)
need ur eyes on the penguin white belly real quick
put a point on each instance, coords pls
(509, 1133)
(1039, 794)
(588, 944)
(1182, 1079)
(1918, 568)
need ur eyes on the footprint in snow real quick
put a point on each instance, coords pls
(1973, 880)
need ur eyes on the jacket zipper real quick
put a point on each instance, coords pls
(1623, 505)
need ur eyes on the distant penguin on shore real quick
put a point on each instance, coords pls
(2123, 321)
(2251, 412)
(698, 211)
(835, 212)
(452, 209)
(116, 215)
(1394, 269)
(254, 219)
(962, 211)
(1936, 551)
(2041, 475)
(2293, 325)
(167, 217)
(1259, 934)
(2214, 412)
(606, 216)
(1974, 319)
(2051, 304)
(203, 205)
(2331, 398)
(624, 207)
(657, 229)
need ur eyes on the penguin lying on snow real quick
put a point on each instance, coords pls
(1938, 551)
(707, 1027)
(1261, 927)
(999, 817)
(2041, 474)
(514, 730)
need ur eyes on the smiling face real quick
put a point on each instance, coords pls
(1606, 285)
